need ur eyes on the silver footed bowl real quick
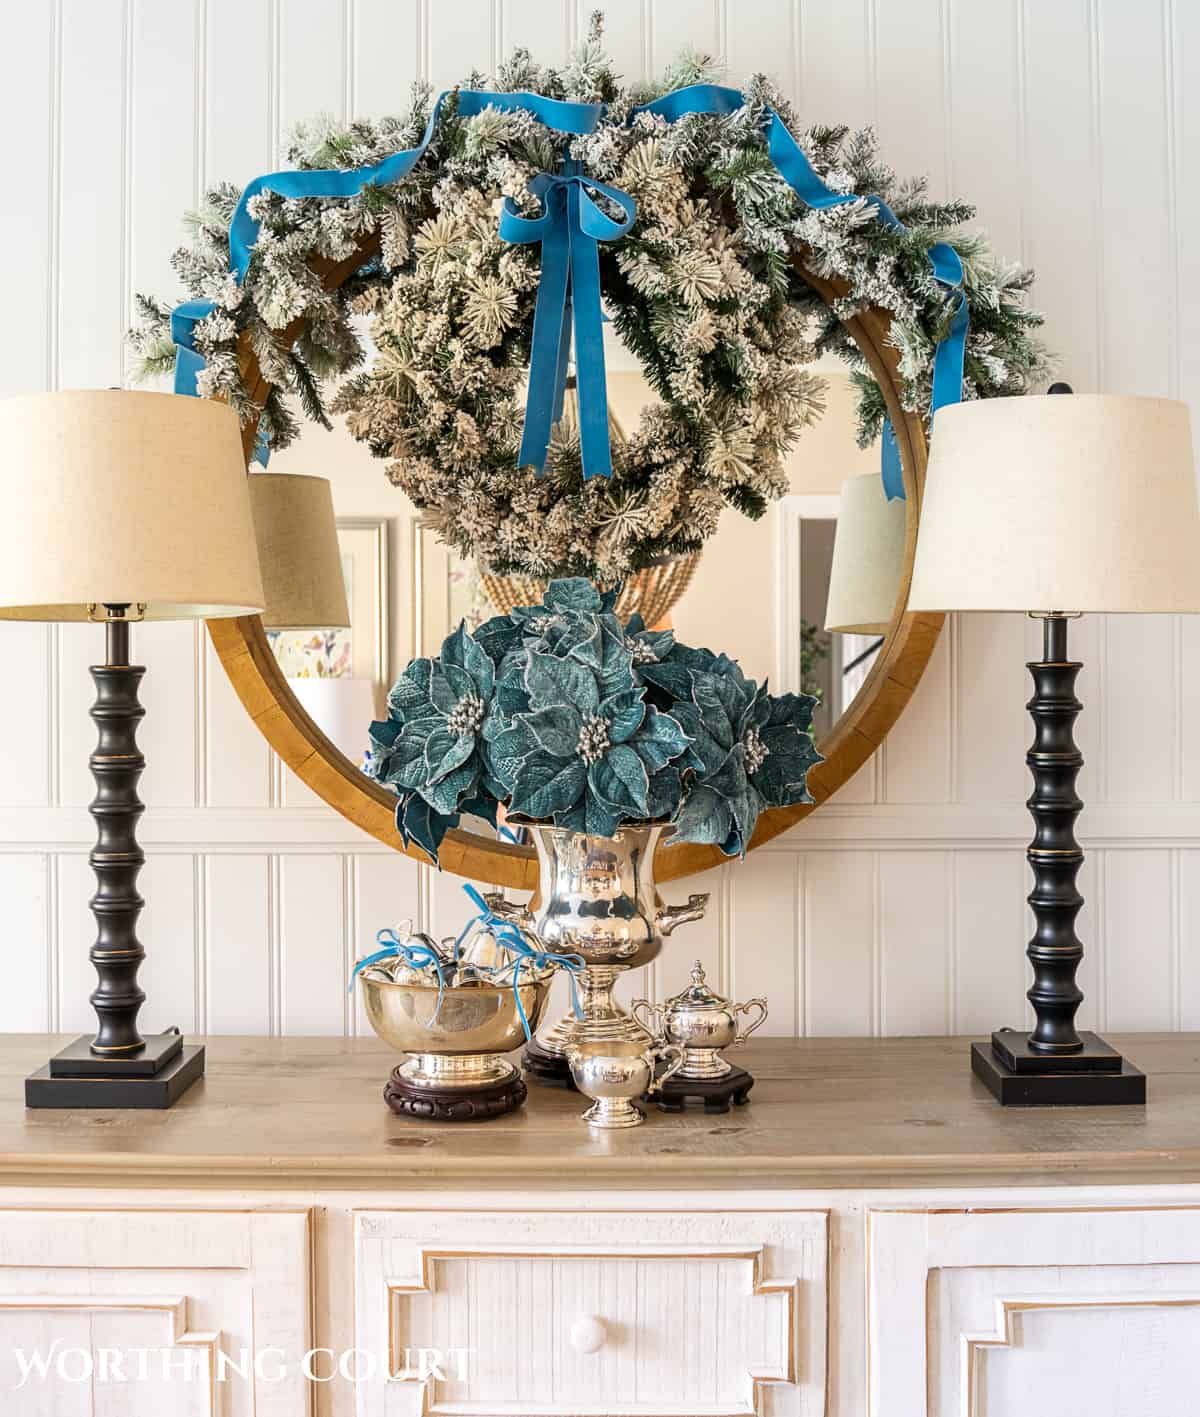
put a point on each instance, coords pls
(464, 1045)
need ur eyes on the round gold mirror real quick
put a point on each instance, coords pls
(887, 653)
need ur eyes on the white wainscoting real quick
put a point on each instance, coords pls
(899, 908)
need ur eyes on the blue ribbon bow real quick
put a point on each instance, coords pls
(569, 227)
(418, 956)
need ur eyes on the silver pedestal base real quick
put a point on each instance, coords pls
(437, 1070)
(603, 1021)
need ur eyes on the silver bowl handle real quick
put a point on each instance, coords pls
(661, 1050)
(744, 1032)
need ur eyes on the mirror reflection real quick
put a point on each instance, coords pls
(802, 597)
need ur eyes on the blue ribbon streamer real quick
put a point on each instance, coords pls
(512, 939)
(568, 229)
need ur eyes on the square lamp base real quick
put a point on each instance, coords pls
(1016, 1076)
(156, 1078)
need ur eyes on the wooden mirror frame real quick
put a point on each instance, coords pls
(243, 649)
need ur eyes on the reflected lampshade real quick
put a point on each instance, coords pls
(868, 558)
(119, 498)
(1060, 502)
(298, 551)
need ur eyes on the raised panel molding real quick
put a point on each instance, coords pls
(697, 1313)
(226, 1282)
(952, 1291)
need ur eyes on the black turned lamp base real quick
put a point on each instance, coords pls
(550, 1069)
(454, 1104)
(717, 1094)
(155, 1078)
(1016, 1076)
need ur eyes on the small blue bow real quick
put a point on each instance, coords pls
(418, 956)
(507, 933)
(569, 227)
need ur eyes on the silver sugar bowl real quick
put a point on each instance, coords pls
(701, 1022)
(612, 1072)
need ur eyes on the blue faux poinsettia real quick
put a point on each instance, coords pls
(565, 714)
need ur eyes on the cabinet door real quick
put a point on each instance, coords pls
(592, 1313)
(1078, 1312)
(137, 1313)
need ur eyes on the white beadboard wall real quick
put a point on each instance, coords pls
(899, 908)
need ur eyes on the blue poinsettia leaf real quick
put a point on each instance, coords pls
(792, 710)
(545, 785)
(515, 742)
(706, 754)
(572, 593)
(446, 795)
(674, 679)
(552, 681)
(555, 729)
(409, 695)
(620, 779)
(461, 650)
(446, 751)
(608, 598)
(420, 824)
(449, 685)
(497, 636)
(705, 817)
(406, 763)
(625, 713)
(663, 794)
(482, 805)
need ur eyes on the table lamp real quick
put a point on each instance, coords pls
(1052, 506)
(119, 507)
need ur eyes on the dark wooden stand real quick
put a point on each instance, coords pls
(117, 1068)
(463, 1104)
(1053, 1064)
(550, 1069)
(717, 1094)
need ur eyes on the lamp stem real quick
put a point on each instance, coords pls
(1054, 855)
(117, 858)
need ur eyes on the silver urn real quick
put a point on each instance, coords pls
(597, 897)
(702, 1023)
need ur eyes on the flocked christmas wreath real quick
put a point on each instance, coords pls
(701, 285)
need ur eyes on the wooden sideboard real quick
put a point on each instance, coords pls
(872, 1235)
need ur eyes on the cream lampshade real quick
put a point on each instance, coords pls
(1059, 502)
(118, 498)
(868, 558)
(1056, 505)
(118, 507)
(298, 551)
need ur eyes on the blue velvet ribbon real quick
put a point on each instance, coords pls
(568, 228)
(507, 933)
(570, 225)
(418, 956)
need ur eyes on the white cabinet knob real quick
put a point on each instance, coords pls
(588, 1334)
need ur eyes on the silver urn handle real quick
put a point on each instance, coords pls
(663, 1050)
(668, 918)
(653, 1021)
(508, 909)
(746, 1030)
